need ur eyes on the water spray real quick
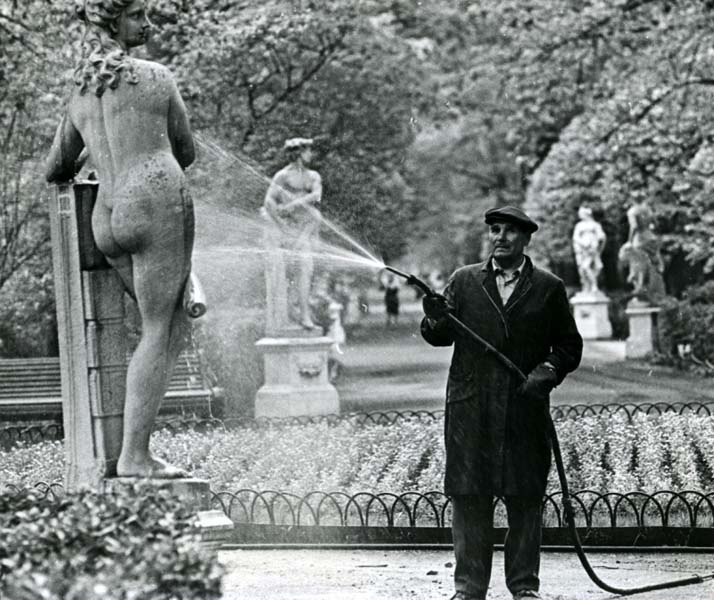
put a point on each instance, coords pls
(568, 511)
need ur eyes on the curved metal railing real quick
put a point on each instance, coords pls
(11, 434)
(689, 509)
(663, 508)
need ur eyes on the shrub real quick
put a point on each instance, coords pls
(688, 322)
(87, 546)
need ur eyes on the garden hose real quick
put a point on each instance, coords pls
(568, 511)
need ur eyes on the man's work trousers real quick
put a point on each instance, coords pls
(472, 529)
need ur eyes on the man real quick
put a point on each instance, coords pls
(495, 429)
(291, 208)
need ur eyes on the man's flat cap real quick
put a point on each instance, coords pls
(511, 214)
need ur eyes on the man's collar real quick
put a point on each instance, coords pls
(508, 272)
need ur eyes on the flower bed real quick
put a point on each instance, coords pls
(605, 453)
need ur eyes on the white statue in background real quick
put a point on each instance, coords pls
(588, 243)
(291, 211)
(641, 254)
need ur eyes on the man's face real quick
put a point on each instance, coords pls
(132, 26)
(508, 242)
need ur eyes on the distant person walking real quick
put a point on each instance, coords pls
(391, 300)
(496, 434)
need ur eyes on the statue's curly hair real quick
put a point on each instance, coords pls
(103, 60)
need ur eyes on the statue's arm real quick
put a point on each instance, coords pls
(633, 224)
(272, 198)
(61, 163)
(180, 129)
(315, 196)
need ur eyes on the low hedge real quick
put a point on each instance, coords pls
(128, 545)
(606, 453)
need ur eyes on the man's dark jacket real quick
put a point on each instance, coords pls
(496, 438)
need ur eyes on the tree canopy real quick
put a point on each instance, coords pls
(425, 114)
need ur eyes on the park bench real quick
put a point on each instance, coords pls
(30, 388)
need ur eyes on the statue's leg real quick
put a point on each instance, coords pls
(276, 286)
(164, 324)
(305, 272)
(160, 271)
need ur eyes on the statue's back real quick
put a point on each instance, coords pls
(127, 129)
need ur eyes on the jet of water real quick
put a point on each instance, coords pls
(335, 253)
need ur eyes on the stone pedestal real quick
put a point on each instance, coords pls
(296, 376)
(92, 340)
(642, 327)
(591, 315)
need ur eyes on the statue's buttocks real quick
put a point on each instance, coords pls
(131, 215)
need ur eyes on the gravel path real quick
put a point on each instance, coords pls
(427, 574)
(395, 369)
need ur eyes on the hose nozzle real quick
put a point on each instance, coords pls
(412, 280)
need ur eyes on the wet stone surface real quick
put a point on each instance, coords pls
(296, 574)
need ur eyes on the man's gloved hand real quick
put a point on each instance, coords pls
(435, 307)
(540, 383)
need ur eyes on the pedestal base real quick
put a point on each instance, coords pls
(296, 377)
(215, 526)
(641, 319)
(591, 315)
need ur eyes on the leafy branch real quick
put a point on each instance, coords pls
(657, 99)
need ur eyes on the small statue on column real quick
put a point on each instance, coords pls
(292, 215)
(588, 243)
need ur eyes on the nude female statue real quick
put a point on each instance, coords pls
(130, 117)
(588, 243)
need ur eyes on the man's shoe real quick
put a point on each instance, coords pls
(525, 594)
(463, 596)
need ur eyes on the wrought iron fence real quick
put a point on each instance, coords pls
(53, 490)
(664, 508)
(663, 519)
(11, 434)
(571, 411)
(561, 412)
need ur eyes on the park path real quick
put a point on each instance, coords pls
(387, 369)
(362, 574)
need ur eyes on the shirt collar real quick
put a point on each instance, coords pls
(508, 273)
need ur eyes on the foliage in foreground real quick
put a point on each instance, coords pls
(87, 546)
(606, 453)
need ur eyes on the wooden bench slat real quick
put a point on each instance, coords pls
(33, 385)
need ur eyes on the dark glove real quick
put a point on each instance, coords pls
(435, 307)
(540, 383)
